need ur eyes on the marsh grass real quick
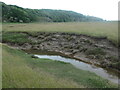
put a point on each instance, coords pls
(95, 51)
(19, 73)
(19, 38)
(22, 71)
(108, 29)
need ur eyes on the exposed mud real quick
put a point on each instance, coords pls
(95, 50)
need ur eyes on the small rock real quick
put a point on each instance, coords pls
(33, 56)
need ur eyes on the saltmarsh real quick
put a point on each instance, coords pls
(105, 29)
(22, 71)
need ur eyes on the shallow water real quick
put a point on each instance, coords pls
(107, 74)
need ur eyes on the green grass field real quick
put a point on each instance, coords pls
(22, 71)
(108, 29)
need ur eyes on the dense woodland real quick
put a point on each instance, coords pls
(13, 13)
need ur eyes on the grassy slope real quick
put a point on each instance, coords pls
(20, 70)
(109, 29)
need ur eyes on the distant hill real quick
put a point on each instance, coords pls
(13, 13)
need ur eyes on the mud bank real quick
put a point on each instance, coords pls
(95, 50)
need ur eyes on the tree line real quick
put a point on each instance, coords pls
(13, 13)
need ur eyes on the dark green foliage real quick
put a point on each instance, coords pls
(12, 13)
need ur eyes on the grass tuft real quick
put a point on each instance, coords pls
(95, 51)
(19, 38)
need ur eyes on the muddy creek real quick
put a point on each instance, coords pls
(104, 73)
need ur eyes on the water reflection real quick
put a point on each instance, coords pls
(84, 66)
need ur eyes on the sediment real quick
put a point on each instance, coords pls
(95, 50)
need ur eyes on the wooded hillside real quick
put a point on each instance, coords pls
(13, 13)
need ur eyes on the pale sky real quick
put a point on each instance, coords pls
(106, 9)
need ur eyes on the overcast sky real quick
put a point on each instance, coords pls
(106, 9)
